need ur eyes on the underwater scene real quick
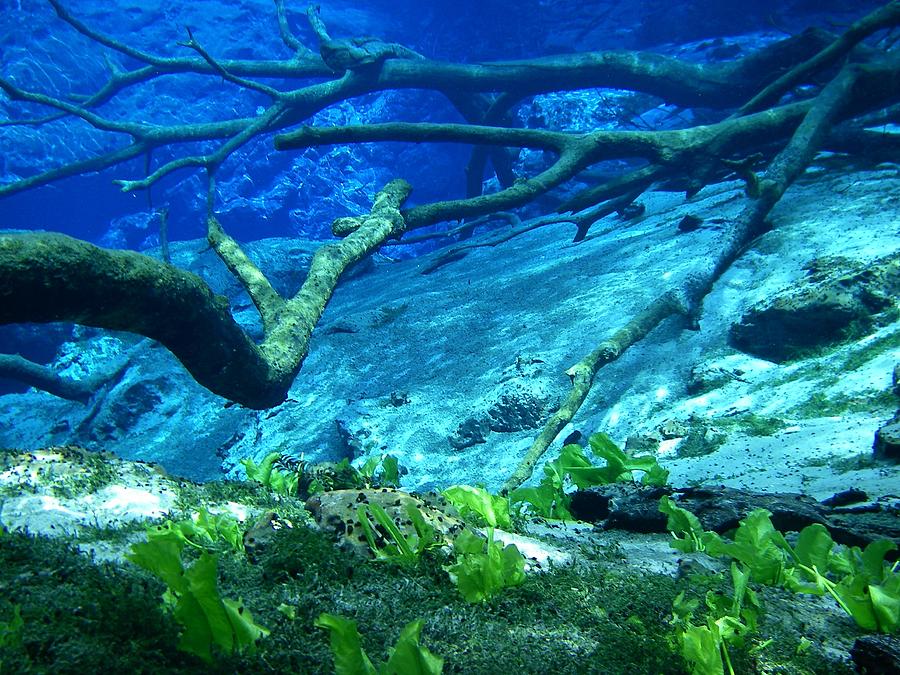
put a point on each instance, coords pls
(459, 336)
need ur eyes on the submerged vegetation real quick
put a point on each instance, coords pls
(198, 600)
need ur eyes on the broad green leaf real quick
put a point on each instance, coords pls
(408, 657)
(758, 545)
(701, 650)
(161, 557)
(245, 631)
(814, 546)
(547, 501)
(853, 595)
(873, 559)
(886, 608)
(197, 636)
(682, 522)
(492, 508)
(683, 609)
(806, 580)
(513, 565)
(201, 580)
(483, 568)
(656, 476)
(369, 466)
(349, 657)
(390, 471)
(468, 542)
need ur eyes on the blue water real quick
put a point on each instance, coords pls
(267, 193)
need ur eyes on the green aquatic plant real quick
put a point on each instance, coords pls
(477, 502)
(729, 622)
(203, 531)
(758, 545)
(280, 481)
(862, 583)
(483, 567)
(407, 657)
(388, 476)
(388, 542)
(687, 532)
(549, 499)
(191, 593)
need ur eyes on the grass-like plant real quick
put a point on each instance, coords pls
(406, 657)
(389, 542)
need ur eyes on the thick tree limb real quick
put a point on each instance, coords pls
(883, 17)
(47, 278)
(679, 82)
(51, 277)
(683, 150)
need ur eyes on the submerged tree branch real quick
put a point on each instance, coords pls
(51, 277)
(686, 299)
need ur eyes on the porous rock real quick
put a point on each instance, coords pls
(839, 299)
(471, 432)
(877, 654)
(337, 512)
(887, 440)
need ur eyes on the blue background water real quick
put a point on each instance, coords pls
(263, 192)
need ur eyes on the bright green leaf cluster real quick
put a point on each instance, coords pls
(483, 567)
(474, 501)
(388, 476)
(687, 532)
(388, 542)
(407, 657)
(728, 623)
(205, 531)
(549, 498)
(192, 594)
(860, 581)
(758, 545)
(267, 474)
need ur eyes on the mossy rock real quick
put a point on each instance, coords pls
(839, 300)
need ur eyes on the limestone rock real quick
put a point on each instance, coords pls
(887, 440)
(838, 300)
(337, 512)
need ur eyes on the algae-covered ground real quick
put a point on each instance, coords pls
(84, 608)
